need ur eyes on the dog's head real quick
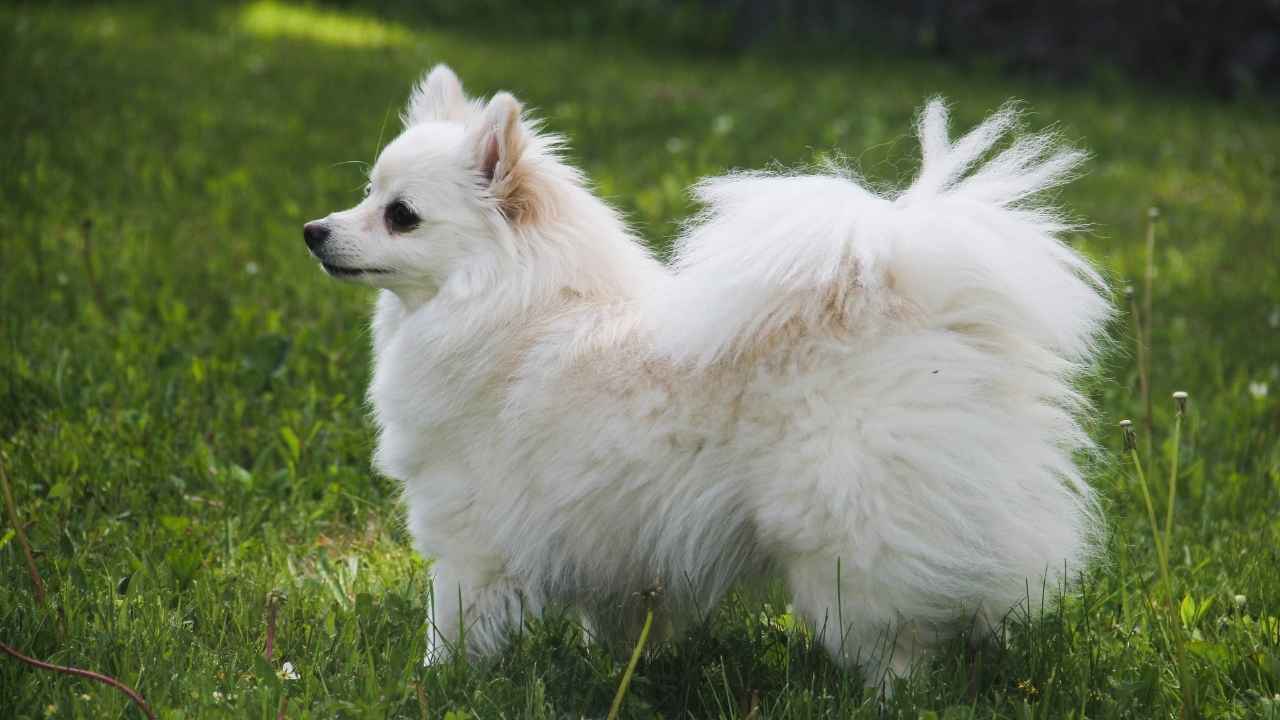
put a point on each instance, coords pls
(445, 199)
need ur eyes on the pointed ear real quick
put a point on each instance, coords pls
(498, 142)
(437, 97)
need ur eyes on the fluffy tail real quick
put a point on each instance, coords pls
(774, 257)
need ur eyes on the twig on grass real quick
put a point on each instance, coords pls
(12, 509)
(80, 672)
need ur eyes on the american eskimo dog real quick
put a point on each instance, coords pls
(868, 395)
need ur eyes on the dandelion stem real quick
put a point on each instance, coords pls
(631, 666)
(1161, 553)
(1162, 543)
(1148, 320)
(273, 607)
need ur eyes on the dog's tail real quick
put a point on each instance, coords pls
(775, 256)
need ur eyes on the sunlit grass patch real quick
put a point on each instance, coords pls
(270, 19)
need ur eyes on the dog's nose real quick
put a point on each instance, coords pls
(315, 233)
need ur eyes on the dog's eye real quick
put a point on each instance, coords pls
(400, 217)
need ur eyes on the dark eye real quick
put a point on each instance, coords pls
(400, 217)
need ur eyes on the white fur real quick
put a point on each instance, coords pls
(867, 396)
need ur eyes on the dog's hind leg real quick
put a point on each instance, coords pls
(856, 619)
(475, 613)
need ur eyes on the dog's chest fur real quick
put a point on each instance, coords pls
(552, 450)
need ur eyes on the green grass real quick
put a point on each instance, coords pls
(181, 389)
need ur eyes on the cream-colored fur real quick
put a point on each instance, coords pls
(868, 396)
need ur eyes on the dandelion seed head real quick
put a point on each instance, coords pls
(1130, 437)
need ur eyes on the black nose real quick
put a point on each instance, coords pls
(315, 233)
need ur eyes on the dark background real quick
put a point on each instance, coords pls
(1224, 47)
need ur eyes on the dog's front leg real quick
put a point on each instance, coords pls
(474, 611)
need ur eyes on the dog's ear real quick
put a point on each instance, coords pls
(437, 97)
(499, 141)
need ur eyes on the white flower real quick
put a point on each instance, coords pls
(1258, 389)
(251, 268)
(287, 672)
(722, 125)
(1240, 600)
(218, 696)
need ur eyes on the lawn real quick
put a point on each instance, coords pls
(181, 413)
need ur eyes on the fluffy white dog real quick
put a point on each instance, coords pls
(867, 396)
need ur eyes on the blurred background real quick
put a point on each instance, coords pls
(1222, 46)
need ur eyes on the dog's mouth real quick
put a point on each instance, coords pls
(340, 271)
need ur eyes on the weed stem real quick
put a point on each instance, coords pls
(12, 510)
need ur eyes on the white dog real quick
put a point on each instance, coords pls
(867, 396)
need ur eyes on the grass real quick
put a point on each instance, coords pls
(181, 390)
